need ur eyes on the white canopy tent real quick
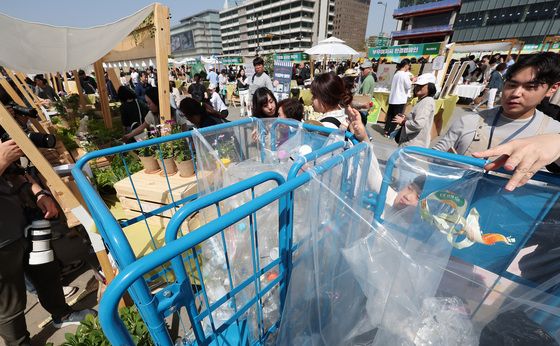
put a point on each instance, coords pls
(331, 46)
(38, 48)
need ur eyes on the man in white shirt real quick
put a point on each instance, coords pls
(527, 83)
(134, 76)
(400, 86)
(216, 101)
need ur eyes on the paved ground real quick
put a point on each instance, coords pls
(68, 249)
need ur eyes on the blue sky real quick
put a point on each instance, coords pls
(86, 13)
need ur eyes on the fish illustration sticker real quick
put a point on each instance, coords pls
(461, 232)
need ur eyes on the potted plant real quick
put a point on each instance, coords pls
(183, 158)
(165, 158)
(148, 159)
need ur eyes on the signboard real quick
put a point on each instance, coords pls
(385, 73)
(293, 57)
(397, 53)
(232, 60)
(282, 79)
(382, 41)
(182, 41)
(531, 48)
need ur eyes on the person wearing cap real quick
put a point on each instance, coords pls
(216, 101)
(416, 127)
(368, 82)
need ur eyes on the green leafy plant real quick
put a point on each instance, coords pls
(73, 102)
(89, 333)
(102, 136)
(181, 150)
(106, 177)
(56, 120)
(60, 107)
(165, 151)
(67, 137)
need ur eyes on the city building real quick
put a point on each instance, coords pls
(527, 20)
(271, 26)
(350, 21)
(423, 21)
(197, 35)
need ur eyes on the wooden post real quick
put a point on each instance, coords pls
(55, 84)
(13, 94)
(163, 48)
(57, 186)
(114, 77)
(83, 101)
(66, 86)
(447, 62)
(26, 92)
(103, 95)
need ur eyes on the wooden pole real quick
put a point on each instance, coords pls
(103, 95)
(66, 86)
(114, 77)
(69, 202)
(55, 84)
(446, 65)
(83, 101)
(23, 88)
(163, 48)
(13, 94)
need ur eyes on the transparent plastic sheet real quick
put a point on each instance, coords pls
(224, 158)
(323, 296)
(417, 279)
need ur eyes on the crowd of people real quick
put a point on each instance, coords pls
(516, 135)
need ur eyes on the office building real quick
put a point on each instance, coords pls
(271, 26)
(350, 21)
(197, 35)
(527, 20)
(423, 21)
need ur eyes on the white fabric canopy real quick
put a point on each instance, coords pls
(38, 48)
(331, 46)
(483, 47)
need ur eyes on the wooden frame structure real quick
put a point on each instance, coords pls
(70, 200)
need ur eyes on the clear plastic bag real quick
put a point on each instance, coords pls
(460, 263)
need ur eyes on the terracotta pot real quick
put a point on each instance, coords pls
(186, 168)
(170, 167)
(150, 164)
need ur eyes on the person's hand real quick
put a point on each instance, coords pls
(355, 124)
(125, 137)
(399, 119)
(524, 157)
(48, 206)
(9, 152)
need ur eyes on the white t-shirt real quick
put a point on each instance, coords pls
(400, 86)
(217, 103)
(134, 77)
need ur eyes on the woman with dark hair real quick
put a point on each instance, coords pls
(264, 104)
(198, 114)
(132, 111)
(400, 86)
(152, 118)
(291, 109)
(416, 127)
(243, 91)
(331, 98)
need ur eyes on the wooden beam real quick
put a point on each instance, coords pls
(83, 101)
(446, 65)
(55, 84)
(12, 92)
(69, 201)
(66, 86)
(26, 92)
(163, 44)
(114, 77)
(103, 95)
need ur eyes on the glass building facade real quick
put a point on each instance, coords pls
(527, 20)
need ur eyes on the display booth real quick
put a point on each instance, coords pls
(140, 35)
